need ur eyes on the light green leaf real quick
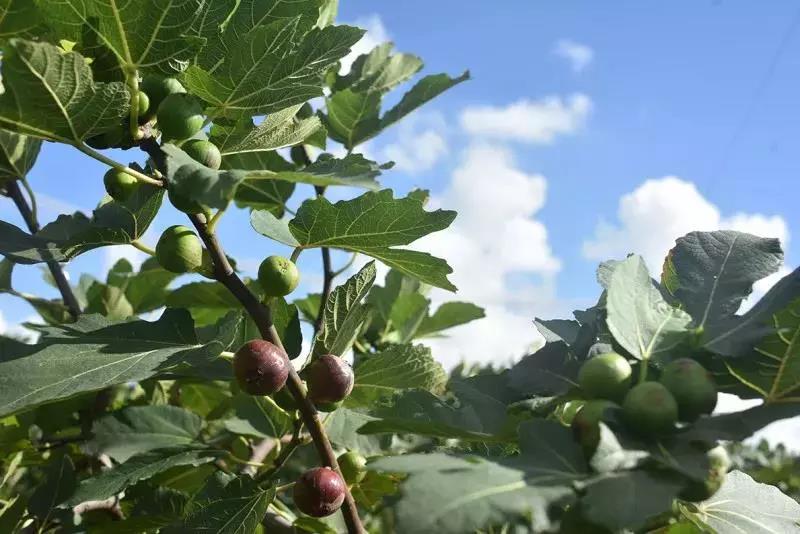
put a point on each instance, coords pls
(344, 314)
(353, 170)
(341, 425)
(195, 182)
(257, 79)
(113, 223)
(277, 130)
(379, 71)
(208, 302)
(259, 417)
(423, 91)
(638, 316)
(395, 369)
(148, 35)
(407, 313)
(92, 354)
(139, 467)
(52, 95)
(371, 224)
(449, 315)
(18, 153)
(139, 429)
(744, 505)
(327, 13)
(260, 194)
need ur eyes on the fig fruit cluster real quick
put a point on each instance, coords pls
(684, 391)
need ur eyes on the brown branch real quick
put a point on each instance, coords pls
(327, 282)
(224, 273)
(15, 194)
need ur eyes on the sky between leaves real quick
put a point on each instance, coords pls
(586, 133)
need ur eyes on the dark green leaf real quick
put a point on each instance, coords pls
(58, 486)
(286, 319)
(18, 153)
(259, 417)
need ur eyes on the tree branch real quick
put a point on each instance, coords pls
(327, 282)
(15, 194)
(224, 273)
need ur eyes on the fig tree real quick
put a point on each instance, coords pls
(278, 276)
(692, 387)
(159, 88)
(718, 465)
(650, 409)
(179, 250)
(319, 492)
(260, 367)
(330, 379)
(353, 467)
(180, 116)
(119, 185)
(204, 152)
(585, 424)
(606, 376)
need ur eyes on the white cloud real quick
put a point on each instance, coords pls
(113, 254)
(659, 211)
(376, 34)
(578, 55)
(786, 431)
(500, 255)
(531, 121)
(420, 143)
(17, 331)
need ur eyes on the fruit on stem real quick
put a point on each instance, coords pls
(179, 250)
(119, 185)
(319, 492)
(650, 409)
(278, 276)
(692, 386)
(180, 116)
(606, 376)
(159, 88)
(183, 203)
(330, 379)
(353, 467)
(586, 424)
(143, 102)
(204, 152)
(260, 367)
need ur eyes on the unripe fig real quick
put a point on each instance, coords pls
(692, 387)
(585, 424)
(180, 116)
(143, 102)
(204, 152)
(607, 376)
(278, 276)
(353, 467)
(319, 492)
(650, 409)
(718, 465)
(328, 407)
(179, 250)
(158, 88)
(260, 367)
(182, 203)
(330, 379)
(119, 185)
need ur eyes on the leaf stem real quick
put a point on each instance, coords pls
(643, 365)
(212, 223)
(15, 193)
(116, 165)
(144, 248)
(296, 254)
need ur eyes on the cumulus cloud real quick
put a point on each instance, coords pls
(659, 211)
(578, 55)
(419, 145)
(376, 34)
(530, 121)
(500, 254)
(17, 331)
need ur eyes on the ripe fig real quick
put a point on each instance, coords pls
(180, 116)
(330, 379)
(204, 152)
(319, 492)
(260, 367)
(606, 376)
(159, 88)
(718, 465)
(353, 467)
(585, 424)
(119, 185)
(692, 386)
(650, 409)
(179, 250)
(278, 276)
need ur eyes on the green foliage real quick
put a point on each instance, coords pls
(184, 449)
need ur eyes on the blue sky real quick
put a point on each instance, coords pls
(589, 130)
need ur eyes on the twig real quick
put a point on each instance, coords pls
(116, 165)
(261, 315)
(327, 282)
(138, 245)
(15, 193)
